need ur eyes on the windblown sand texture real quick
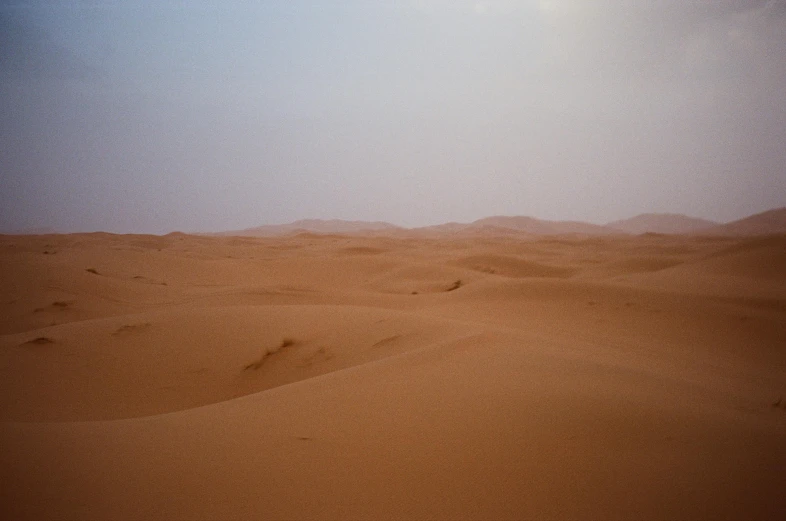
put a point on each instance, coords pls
(333, 376)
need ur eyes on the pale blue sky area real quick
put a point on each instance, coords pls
(153, 116)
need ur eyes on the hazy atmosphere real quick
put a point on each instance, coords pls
(137, 116)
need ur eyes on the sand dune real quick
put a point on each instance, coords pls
(661, 223)
(543, 227)
(523, 227)
(175, 360)
(511, 266)
(765, 223)
(760, 258)
(313, 225)
(393, 375)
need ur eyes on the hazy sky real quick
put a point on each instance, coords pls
(153, 116)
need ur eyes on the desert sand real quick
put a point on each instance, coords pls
(374, 376)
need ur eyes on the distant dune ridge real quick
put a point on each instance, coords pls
(543, 227)
(766, 223)
(661, 223)
(312, 226)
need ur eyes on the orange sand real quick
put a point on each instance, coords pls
(401, 376)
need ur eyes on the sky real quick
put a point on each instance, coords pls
(153, 116)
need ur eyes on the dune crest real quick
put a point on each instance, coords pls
(766, 223)
(661, 223)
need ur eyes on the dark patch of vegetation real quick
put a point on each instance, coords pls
(259, 363)
(456, 285)
(286, 342)
(59, 304)
(149, 281)
(40, 341)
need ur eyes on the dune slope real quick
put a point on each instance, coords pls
(326, 377)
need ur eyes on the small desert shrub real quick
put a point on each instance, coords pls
(42, 340)
(286, 342)
(456, 285)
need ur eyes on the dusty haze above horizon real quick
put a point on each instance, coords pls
(150, 117)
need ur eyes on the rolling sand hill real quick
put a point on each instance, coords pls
(312, 376)
(535, 226)
(661, 223)
(765, 223)
(313, 226)
(520, 226)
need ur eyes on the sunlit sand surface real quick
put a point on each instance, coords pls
(393, 375)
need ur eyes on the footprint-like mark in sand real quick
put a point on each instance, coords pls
(40, 341)
(131, 328)
(320, 355)
(145, 280)
(386, 341)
